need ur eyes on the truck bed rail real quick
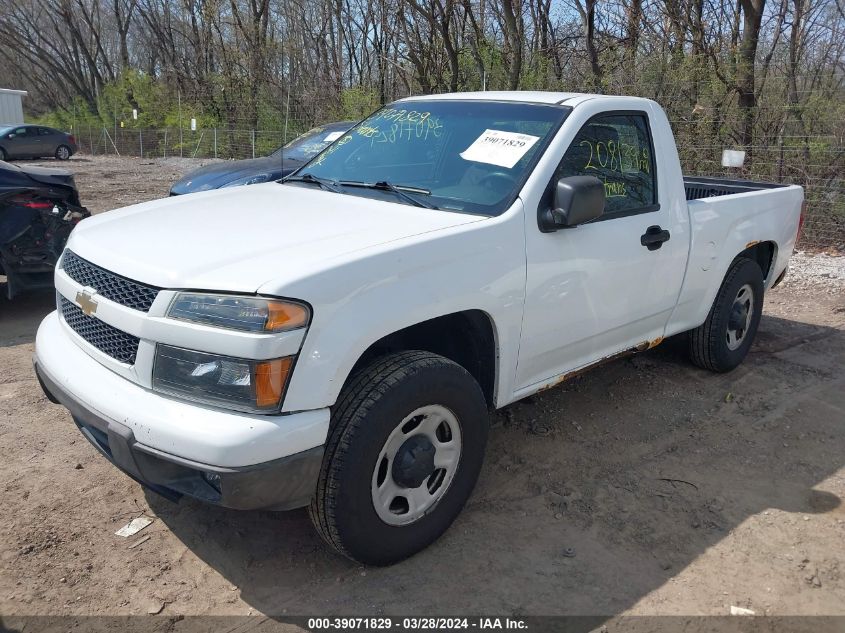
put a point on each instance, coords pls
(698, 187)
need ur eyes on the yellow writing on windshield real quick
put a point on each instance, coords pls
(367, 131)
(398, 115)
(404, 130)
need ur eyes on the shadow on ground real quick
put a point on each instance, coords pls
(592, 496)
(20, 317)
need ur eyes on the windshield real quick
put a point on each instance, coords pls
(306, 146)
(470, 156)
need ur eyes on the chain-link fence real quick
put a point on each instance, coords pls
(172, 142)
(815, 162)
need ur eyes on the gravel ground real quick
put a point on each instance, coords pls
(111, 182)
(644, 487)
(819, 271)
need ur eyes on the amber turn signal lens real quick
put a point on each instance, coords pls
(285, 316)
(271, 377)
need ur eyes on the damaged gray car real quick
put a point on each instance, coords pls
(38, 209)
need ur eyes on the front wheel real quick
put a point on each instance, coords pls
(723, 340)
(404, 452)
(2, 154)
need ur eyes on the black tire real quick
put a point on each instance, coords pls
(63, 152)
(2, 154)
(708, 343)
(368, 410)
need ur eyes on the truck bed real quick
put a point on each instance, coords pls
(698, 187)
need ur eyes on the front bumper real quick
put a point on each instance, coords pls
(176, 448)
(282, 484)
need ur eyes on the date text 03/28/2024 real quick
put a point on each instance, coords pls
(416, 623)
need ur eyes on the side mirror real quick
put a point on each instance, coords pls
(577, 199)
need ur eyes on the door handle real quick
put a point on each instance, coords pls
(654, 237)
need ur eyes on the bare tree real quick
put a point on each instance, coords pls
(587, 11)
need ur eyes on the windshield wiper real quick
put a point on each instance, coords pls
(399, 190)
(324, 184)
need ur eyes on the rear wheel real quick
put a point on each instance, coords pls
(62, 152)
(723, 340)
(404, 452)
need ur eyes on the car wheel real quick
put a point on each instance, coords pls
(62, 152)
(405, 448)
(2, 154)
(723, 340)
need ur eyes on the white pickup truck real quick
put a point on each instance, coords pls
(336, 340)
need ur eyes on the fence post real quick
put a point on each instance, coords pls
(180, 140)
(253, 143)
(215, 142)
(165, 142)
(287, 116)
(141, 142)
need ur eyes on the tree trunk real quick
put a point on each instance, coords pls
(587, 9)
(633, 17)
(792, 99)
(514, 30)
(752, 14)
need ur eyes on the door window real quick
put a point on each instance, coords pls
(43, 131)
(616, 149)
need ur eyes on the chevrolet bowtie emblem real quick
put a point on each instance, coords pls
(86, 302)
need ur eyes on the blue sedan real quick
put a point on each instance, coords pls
(273, 167)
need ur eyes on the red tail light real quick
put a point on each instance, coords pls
(801, 220)
(71, 138)
(30, 202)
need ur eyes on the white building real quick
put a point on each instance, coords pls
(11, 110)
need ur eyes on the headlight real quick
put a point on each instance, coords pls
(256, 386)
(249, 314)
(248, 180)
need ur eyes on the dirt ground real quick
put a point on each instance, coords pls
(645, 487)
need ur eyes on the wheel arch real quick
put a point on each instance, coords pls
(467, 338)
(764, 253)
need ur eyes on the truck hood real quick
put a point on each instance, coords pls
(241, 238)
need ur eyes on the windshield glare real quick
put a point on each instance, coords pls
(307, 145)
(470, 156)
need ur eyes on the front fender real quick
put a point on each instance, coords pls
(478, 266)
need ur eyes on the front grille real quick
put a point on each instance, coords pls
(126, 292)
(109, 340)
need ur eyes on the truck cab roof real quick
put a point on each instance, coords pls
(523, 96)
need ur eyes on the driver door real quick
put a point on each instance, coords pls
(21, 142)
(595, 290)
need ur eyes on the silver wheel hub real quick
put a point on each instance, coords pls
(416, 465)
(740, 317)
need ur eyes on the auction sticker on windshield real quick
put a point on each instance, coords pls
(333, 136)
(496, 147)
